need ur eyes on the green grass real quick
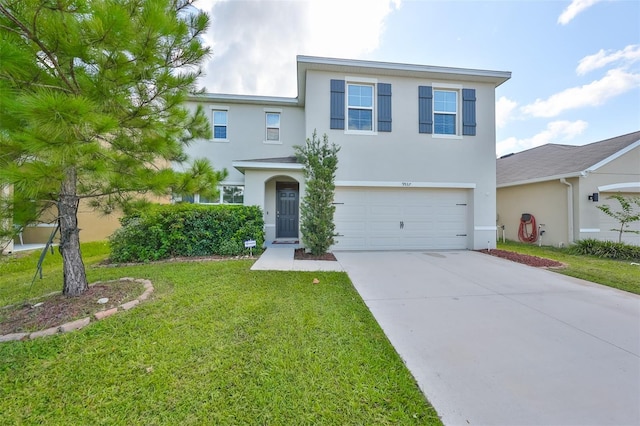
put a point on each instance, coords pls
(217, 344)
(613, 273)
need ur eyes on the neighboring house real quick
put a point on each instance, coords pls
(561, 186)
(417, 160)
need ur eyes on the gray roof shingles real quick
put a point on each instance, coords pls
(558, 160)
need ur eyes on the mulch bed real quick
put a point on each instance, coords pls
(58, 309)
(301, 254)
(538, 262)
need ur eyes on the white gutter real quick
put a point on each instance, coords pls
(569, 209)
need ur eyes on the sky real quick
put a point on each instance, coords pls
(575, 64)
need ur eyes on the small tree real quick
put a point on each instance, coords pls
(625, 216)
(320, 162)
(92, 108)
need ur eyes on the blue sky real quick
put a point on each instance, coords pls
(575, 64)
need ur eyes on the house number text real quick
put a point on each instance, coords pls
(406, 183)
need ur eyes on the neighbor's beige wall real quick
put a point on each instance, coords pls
(623, 171)
(94, 226)
(546, 201)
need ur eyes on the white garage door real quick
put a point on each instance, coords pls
(401, 218)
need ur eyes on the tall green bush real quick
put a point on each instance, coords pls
(172, 230)
(320, 162)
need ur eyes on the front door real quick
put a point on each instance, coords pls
(287, 213)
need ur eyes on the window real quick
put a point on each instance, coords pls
(228, 194)
(233, 194)
(360, 107)
(445, 108)
(220, 125)
(273, 126)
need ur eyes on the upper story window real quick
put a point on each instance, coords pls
(273, 126)
(445, 112)
(360, 107)
(220, 125)
(364, 102)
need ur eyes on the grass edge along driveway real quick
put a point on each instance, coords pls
(620, 274)
(217, 344)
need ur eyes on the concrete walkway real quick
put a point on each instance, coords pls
(280, 258)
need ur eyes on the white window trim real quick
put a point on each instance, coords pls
(362, 81)
(218, 108)
(272, 111)
(450, 88)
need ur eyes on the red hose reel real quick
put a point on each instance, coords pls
(528, 231)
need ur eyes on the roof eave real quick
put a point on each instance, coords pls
(541, 179)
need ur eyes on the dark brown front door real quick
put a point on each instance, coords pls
(287, 213)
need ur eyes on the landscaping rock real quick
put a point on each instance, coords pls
(74, 325)
(129, 305)
(43, 333)
(104, 314)
(12, 337)
(145, 295)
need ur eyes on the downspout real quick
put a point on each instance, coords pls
(569, 209)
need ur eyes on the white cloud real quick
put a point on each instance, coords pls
(576, 7)
(614, 83)
(255, 42)
(504, 109)
(628, 55)
(562, 131)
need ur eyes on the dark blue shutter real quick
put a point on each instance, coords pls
(469, 112)
(337, 104)
(384, 107)
(425, 109)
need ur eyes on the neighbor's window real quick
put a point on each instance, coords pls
(360, 107)
(219, 125)
(445, 108)
(273, 126)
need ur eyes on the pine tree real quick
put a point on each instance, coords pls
(91, 102)
(320, 162)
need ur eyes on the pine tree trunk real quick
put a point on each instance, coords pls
(74, 275)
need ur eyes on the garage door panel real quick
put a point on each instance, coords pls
(371, 218)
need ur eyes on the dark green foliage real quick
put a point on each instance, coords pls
(92, 108)
(626, 215)
(165, 231)
(320, 164)
(606, 249)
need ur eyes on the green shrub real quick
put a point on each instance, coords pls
(606, 249)
(173, 230)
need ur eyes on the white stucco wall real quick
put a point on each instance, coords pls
(405, 155)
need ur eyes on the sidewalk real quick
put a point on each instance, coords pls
(280, 258)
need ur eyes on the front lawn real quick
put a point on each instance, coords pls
(619, 274)
(216, 344)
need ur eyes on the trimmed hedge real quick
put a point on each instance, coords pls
(606, 249)
(172, 230)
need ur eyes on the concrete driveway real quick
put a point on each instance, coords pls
(492, 342)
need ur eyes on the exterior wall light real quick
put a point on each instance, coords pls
(594, 197)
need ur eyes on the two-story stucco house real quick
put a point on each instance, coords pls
(417, 152)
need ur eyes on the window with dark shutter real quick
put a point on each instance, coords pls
(469, 112)
(337, 104)
(384, 107)
(425, 109)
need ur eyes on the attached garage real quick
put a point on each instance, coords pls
(373, 218)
